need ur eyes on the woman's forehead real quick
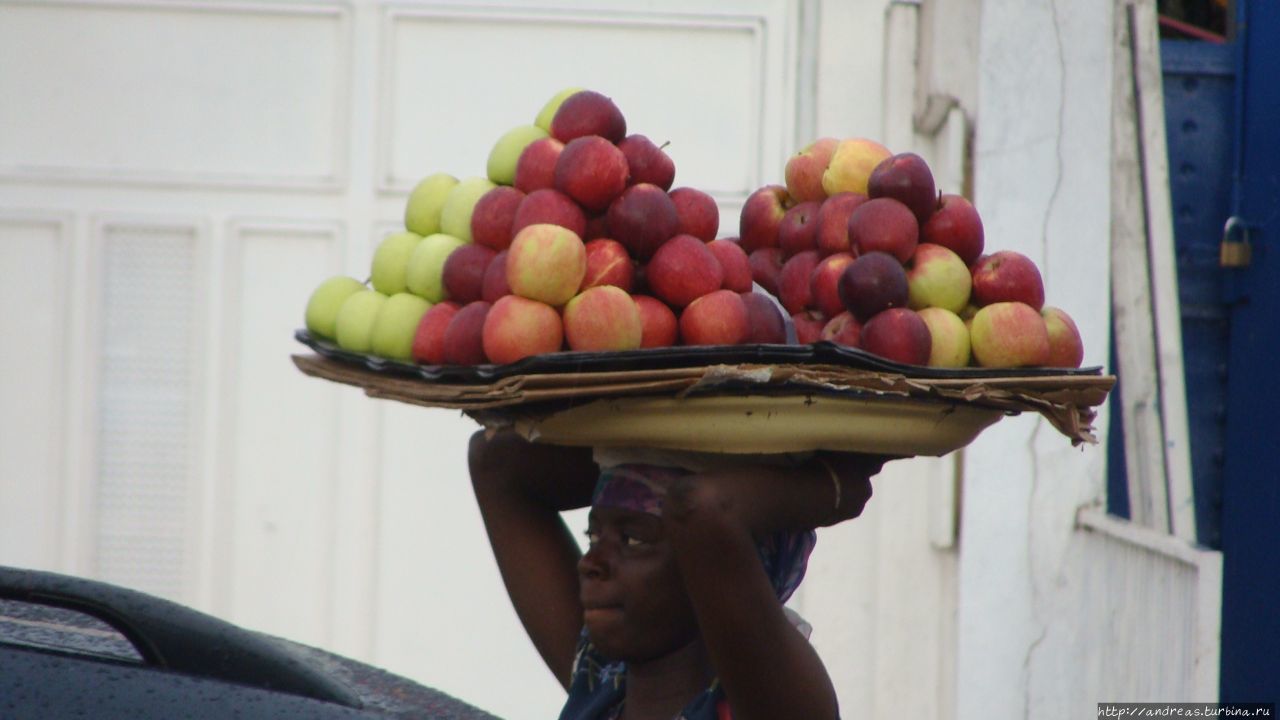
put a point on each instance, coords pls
(622, 516)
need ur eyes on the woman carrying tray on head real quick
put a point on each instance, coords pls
(675, 610)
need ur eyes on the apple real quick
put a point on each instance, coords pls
(609, 264)
(717, 318)
(832, 232)
(536, 168)
(843, 329)
(937, 277)
(325, 302)
(734, 263)
(592, 171)
(825, 284)
(659, 327)
(428, 339)
(549, 206)
(798, 230)
(455, 216)
(647, 162)
(804, 170)
(463, 272)
(494, 285)
(516, 328)
(809, 325)
(1007, 276)
(871, 284)
(464, 335)
(353, 327)
(761, 217)
(546, 263)
(1009, 334)
(597, 227)
(851, 164)
(548, 111)
(642, 218)
(766, 268)
(588, 113)
(390, 261)
(1066, 349)
(424, 276)
(906, 178)
(765, 321)
(955, 224)
(683, 270)
(493, 216)
(501, 165)
(603, 318)
(795, 284)
(396, 324)
(898, 334)
(884, 225)
(949, 337)
(426, 201)
(696, 213)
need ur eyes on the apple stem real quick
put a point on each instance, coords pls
(664, 145)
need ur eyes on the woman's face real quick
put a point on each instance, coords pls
(635, 605)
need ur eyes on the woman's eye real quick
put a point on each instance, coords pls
(592, 537)
(632, 541)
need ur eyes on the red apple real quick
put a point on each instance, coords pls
(648, 163)
(898, 334)
(884, 225)
(833, 222)
(683, 270)
(1066, 349)
(1009, 334)
(428, 340)
(809, 325)
(463, 275)
(597, 227)
(696, 212)
(798, 230)
(734, 262)
(495, 284)
(871, 284)
(602, 318)
(1007, 276)
(464, 336)
(795, 286)
(516, 328)
(937, 277)
(906, 178)
(804, 170)
(766, 267)
(588, 113)
(536, 168)
(764, 319)
(843, 329)
(608, 264)
(717, 318)
(592, 171)
(642, 218)
(761, 216)
(955, 224)
(825, 281)
(659, 327)
(549, 206)
(493, 216)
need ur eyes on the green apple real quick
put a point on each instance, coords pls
(455, 218)
(426, 200)
(390, 261)
(354, 326)
(949, 338)
(326, 300)
(501, 167)
(548, 111)
(396, 324)
(426, 266)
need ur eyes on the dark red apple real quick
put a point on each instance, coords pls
(873, 283)
(809, 324)
(833, 222)
(826, 283)
(884, 225)
(761, 215)
(683, 270)
(795, 288)
(549, 206)
(764, 319)
(906, 178)
(592, 171)
(843, 329)
(588, 113)
(536, 168)
(698, 213)
(642, 218)
(493, 216)
(648, 162)
(1007, 276)
(898, 334)
(463, 274)
(464, 337)
(495, 284)
(956, 225)
(798, 230)
(734, 262)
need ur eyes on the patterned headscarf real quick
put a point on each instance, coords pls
(643, 488)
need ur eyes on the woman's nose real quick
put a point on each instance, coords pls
(594, 563)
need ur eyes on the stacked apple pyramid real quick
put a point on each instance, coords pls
(863, 251)
(575, 240)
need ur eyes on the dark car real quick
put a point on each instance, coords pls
(75, 648)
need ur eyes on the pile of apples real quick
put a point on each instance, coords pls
(573, 240)
(862, 250)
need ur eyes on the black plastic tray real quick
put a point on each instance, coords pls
(819, 353)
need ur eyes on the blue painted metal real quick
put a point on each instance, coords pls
(1251, 488)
